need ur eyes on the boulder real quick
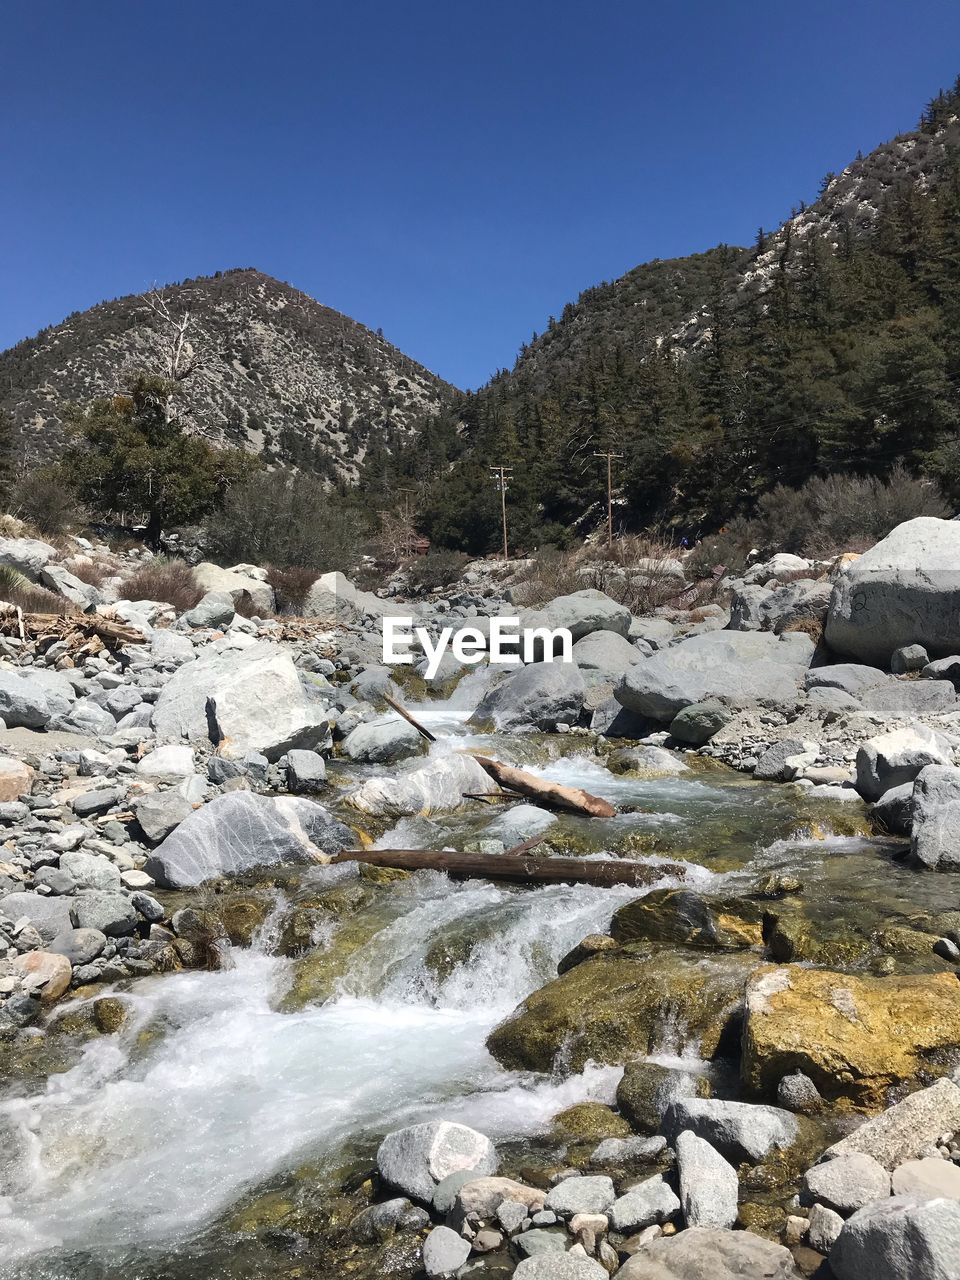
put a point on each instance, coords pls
(849, 677)
(652, 762)
(651, 1201)
(211, 578)
(111, 913)
(944, 669)
(581, 1195)
(560, 1266)
(683, 917)
(699, 722)
(903, 591)
(48, 915)
(655, 632)
(612, 1007)
(382, 741)
(79, 946)
(912, 657)
(584, 612)
(253, 698)
(906, 1129)
(824, 1227)
(892, 759)
(484, 1196)
(854, 1036)
(23, 701)
(538, 696)
(935, 813)
(27, 555)
(306, 772)
(927, 1178)
(603, 656)
(58, 579)
(215, 609)
(416, 1159)
(781, 761)
(847, 1183)
(161, 812)
(746, 607)
(438, 786)
(909, 699)
(736, 667)
(738, 1130)
(893, 812)
(782, 565)
(902, 1238)
(444, 1253)
(241, 830)
(16, 779)
(646, 1089)
(168, 763)
(90, 870)
(709, 1187)
(45, 974)
(170, 649)
(708, 1253)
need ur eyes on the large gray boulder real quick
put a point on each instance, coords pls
(437, 787)
(603, 656)
(23, 702)
(892, 759)
(901, 1238)
(215, 609)
(210, 577)
(709, 1187)
(738, 1130)
(904, 1130)
(334, 595)
(847, 1183)
(905, 590)
(539, 696)
(110, 913)
(736, 667)
(909, 699)
(253, 697)
(161, 812)
(560, 1266)
(27, 555)
(893, 812)
(708, 1253)
(444, 1253)
(241, 830)
(581, 1195)
(935, 812)
(850, 677)
(583, 612)
(60, 580)
(381, 741)
(416, 1159)
(49, 915)
(651, 1201)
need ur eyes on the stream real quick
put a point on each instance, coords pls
(135, 1161)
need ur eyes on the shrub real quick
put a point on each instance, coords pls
(44, 499)
(436, 570)
(286, 520)
(169, 581)
(88, 571)
(291, 587)
(18, 590)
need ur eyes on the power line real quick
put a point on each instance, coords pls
(609, 457)
(500, 474)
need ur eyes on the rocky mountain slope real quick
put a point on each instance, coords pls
(273, 371)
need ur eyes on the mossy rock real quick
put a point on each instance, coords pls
(110, 1014)
(791, 936)
(903, 941)
(765, 1220)
(590, 1122)
(647, 1089)
(681, 917)
(589, 946)
(614, 1007)
(317, 974)
(856, 1037)
(382, 875)
(243, 916)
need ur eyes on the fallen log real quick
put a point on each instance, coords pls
(549, 794)
(520, 868)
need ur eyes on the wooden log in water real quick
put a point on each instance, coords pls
(549, 794)
(402, 711)
(521, 868)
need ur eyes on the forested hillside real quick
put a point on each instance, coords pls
(831, 346)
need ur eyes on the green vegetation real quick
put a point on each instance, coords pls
(131, 453)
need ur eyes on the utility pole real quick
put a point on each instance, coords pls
(500, 475)
(609, 457)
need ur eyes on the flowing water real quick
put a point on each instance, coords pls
(211, 1091)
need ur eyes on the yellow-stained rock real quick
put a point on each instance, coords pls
(44, 973)
(682, 917)
(855, 1037)
(590, 1122)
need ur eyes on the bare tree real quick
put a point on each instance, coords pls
(182, 355)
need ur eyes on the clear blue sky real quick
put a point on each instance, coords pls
(451, 171)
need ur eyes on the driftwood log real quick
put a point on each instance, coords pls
(76, 629)
(521, 868)
(549, 794)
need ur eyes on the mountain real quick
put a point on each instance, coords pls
(832, 345)
(269, 370)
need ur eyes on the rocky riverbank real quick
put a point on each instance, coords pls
(781, 1019)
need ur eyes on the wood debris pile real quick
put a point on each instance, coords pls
(83, 634)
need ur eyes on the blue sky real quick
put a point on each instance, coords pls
(451, 172)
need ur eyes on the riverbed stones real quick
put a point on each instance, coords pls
(708, 1253)
(735, 667)
(892, 759)
(651, 1201)
(79, 946)
(168, 763)
(682, 917)
(161, 812)
(738, 1130)
(903, 591)
(438, 786)
(241, 830)
(559, 1266)
(854, 1036)
(847, 1183)
(709, 1187)
(49, 915)
(417, 1158)
(378, 1222)
(382, 741)
(784, 759)
(903, 1236)
(823, 1229)
(484, 1195)
(110, 913)
(306, 772)
(699, 722)
(444, 1253)
(247, 700)
(594, 1194)
(935, 813)
(540, 696)
(905, 1130)
(90, 870)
